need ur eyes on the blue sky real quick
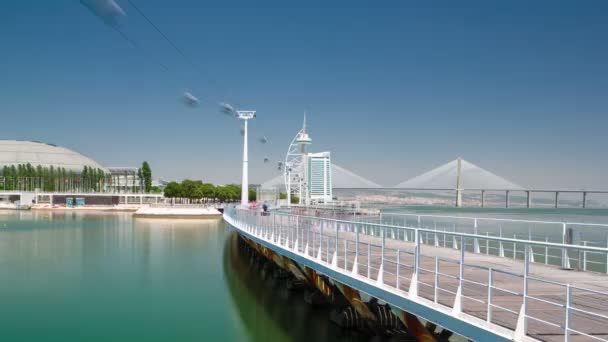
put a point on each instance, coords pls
(517, 87)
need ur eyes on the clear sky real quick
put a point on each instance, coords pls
(517, 87)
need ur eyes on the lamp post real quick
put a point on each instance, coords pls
(245, 115)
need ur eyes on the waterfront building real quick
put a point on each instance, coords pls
(318, 171)
(33, 166)
(44, 155)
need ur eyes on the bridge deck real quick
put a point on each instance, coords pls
(507, 283)
(439, 276)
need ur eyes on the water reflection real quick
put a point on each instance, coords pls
(259, 299)
(87, 276)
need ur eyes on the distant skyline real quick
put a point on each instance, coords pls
(518, 88)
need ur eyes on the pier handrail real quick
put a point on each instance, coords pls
(459, 234)
(328, 239)
(495, 219)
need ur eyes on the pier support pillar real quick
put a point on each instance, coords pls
(584, 199)
(556, 198)
(507, 199)
(459, 184)
(528, 199)
(483, 198)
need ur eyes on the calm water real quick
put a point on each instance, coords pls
(109, 277)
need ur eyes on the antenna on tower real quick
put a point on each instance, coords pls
(303, 138)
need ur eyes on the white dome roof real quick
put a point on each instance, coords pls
(14, 152)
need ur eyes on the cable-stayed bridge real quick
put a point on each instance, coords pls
(456, 177)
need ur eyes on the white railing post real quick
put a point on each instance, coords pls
(413, 290)
(490, 282)
(487, 243)
(527, 251)
(567, 318)
(565, 259)
(297, 237)
(514, 247)
(327, 249)
(585, 257)
(356, 262)
(345, 254)
(398, 268)
(547, 252)
(369, 260)
(436, 281)
(457, 307)
(475, 240)
(501, 247)
(380, 278)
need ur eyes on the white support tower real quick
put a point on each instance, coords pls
(295, 166)
(459, 184)
(245, 115)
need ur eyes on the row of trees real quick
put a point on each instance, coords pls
(196, 189)
(29, 178)
(25, 177)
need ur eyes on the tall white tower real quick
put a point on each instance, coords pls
(295, 165)
(303, 138)
(245, 115)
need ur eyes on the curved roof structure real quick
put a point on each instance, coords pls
(14, 152)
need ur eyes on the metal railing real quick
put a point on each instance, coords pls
(572, 233)
(458, 276)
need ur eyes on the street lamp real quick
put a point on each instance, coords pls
(245, 115)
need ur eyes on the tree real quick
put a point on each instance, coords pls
(207, 190)
(190, 188)
(173, 189)
(252, 195)
(147, 175)
(222, 193)
(140, 178)
(85, 175)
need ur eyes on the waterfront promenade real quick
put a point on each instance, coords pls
(474, 285)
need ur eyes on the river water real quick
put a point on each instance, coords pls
(85, 276)
(110, 277)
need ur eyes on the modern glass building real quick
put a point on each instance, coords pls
(319, 177)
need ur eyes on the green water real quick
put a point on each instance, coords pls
(109, 277)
